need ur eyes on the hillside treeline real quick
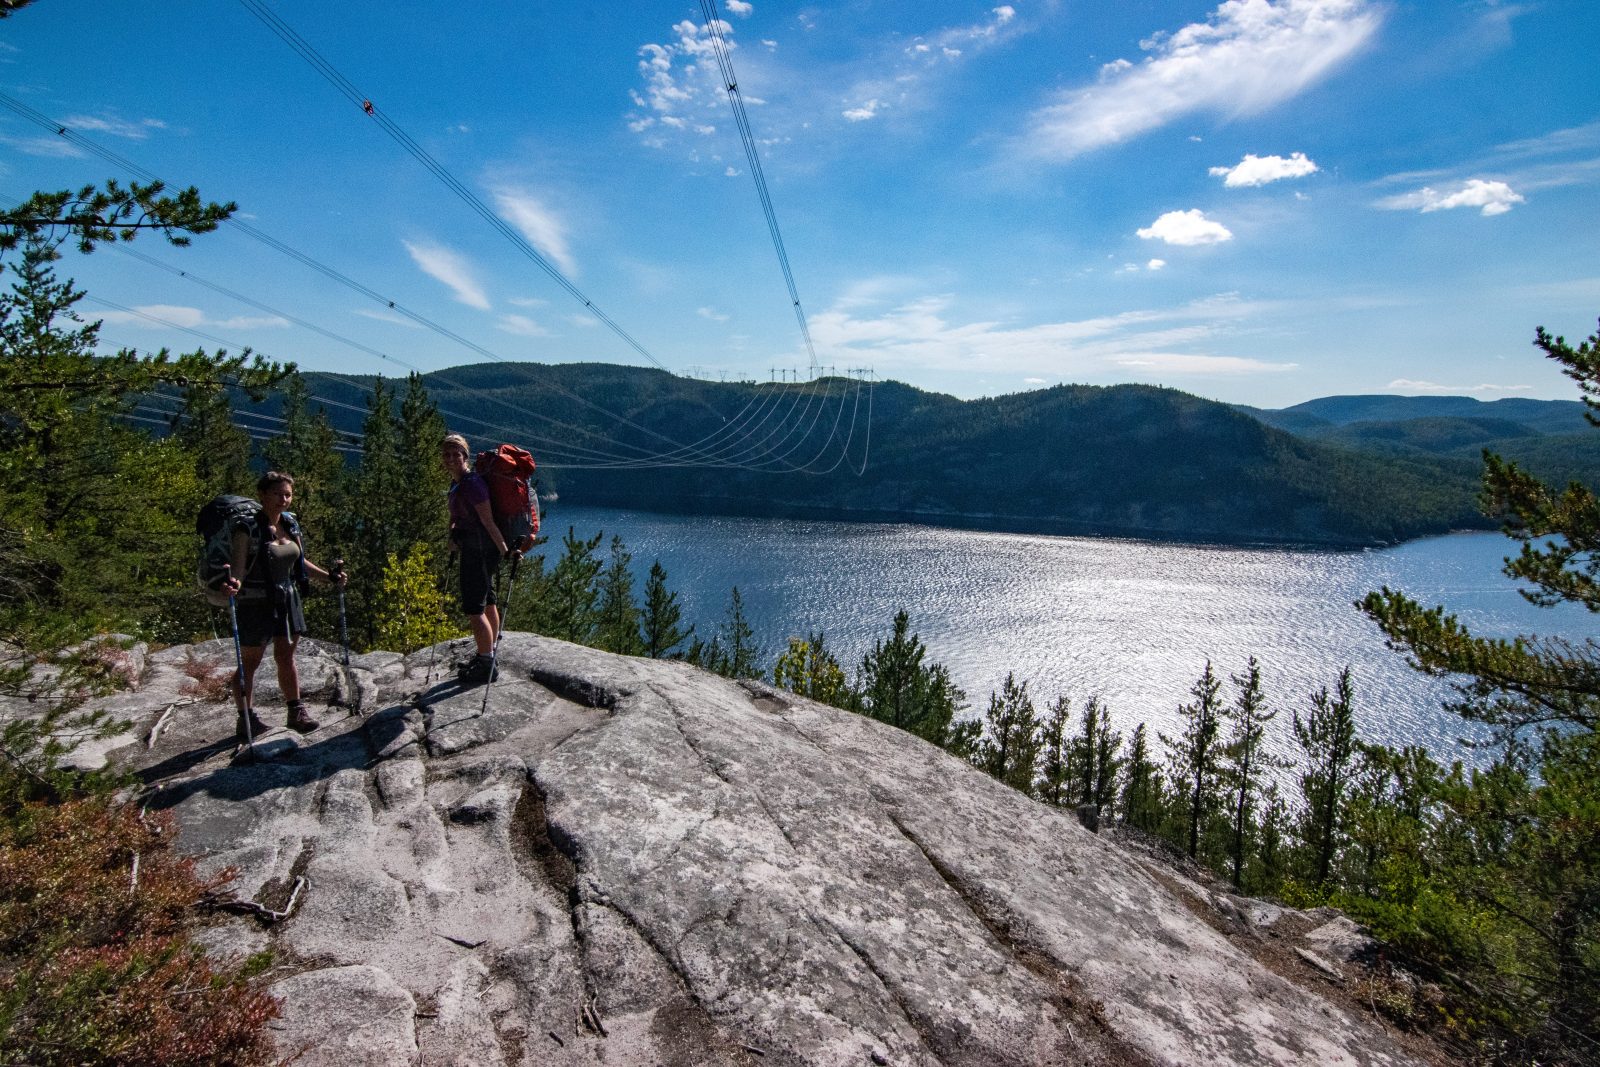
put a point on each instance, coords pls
(1125, 460)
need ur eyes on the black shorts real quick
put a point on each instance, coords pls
(479, 562)
(260, 621)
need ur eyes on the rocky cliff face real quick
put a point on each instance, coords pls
(625, 861)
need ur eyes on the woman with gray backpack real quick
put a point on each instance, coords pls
(267, 575)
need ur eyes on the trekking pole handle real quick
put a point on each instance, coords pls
(337, 570)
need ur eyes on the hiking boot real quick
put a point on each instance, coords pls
(481, 670)
(300, 719)
(254, 729)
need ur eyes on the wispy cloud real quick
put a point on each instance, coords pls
(1408, 385)
(388, 316)
(1259, 170)
(538, 224)
(711, 313)
(54, 147)
(190, 318)
(1491, 197)
(520, 326)
(1248, 56)
(1183, 365)
(452, 269)
(918, 334)
(867, 110)
(116, 127)
(1186, 228)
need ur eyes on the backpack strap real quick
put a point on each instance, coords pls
(301, 576)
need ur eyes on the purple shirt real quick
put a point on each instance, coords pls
(465, 496)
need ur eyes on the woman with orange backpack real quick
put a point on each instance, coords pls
(478, 539)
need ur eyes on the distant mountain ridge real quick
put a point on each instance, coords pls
(1539, 416)
(1127, 460)
(1552, 438)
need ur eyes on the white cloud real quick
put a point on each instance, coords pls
(1259, 170)
(1035, 381)
(869, 325)
(538, 224)
(1155, 264)
(682, 85)
(731, 172)
(1186, 228)
(388, 316)
(1492, 197)
(711, 313)
(586, 321)
(864, 112)
(1411, 386)
(1247, 57)
(1184, 365)
(189, 318)
(54, 147)
(109, 124)
(521, 326)
(452, 269)
(526, 301)
(1003, 14)
(740, 8)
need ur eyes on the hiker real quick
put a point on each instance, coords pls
(476, 536)
(268, 590)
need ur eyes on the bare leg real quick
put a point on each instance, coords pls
(288, 673)
(252, 655)
(483, 631)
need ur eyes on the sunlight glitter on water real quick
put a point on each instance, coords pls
(1131, 621)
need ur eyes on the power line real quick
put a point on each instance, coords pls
(258, 305)
(322, 66)
(116, 159)
(719, 45)
(678, 450)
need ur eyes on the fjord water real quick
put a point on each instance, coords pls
(1131, 621)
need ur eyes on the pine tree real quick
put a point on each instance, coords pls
(572, 593)
(1108, 762)
(419, 430)
(1327, 737)
(738, 654)
(1141, 786)
(379, 503)
(1053, 786)
(659, 630)
(617, 617)
(1194, 757)
(895, 686)
(1269, 859)
(1245, 761)
(1010, 744)
(1092, 757)
(221, 450)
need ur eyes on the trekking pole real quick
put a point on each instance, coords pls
(238, 660)
(494, 649)
(344, 632)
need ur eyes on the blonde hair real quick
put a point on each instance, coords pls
(455, 440)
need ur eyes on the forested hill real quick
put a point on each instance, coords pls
(1121, 460)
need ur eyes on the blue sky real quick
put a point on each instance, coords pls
(1262, 201)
